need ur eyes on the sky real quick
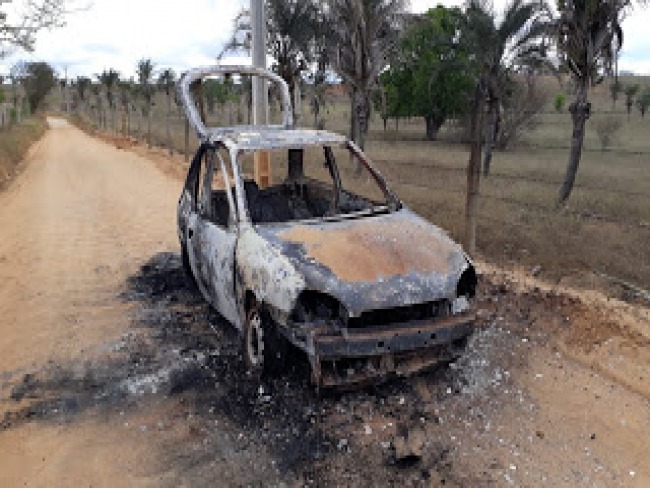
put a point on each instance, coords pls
(179, 35)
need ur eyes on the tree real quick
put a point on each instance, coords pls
(109, 80)
(144, 70)
(82, 85)
(606, 129)
(219, 93)
(291, 26)
(37, 15)
(99, 103)
(643, 101)
(431, 75)
(362, 34)
(37, 78)
(589, 38)
(516, 42)
(167, 82)
(615, 88)
(523, 101)
(630, 92)
(126, 89)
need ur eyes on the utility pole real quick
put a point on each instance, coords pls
(260, 93)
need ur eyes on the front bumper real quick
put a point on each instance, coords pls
(342, 357)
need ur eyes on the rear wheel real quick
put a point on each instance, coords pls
(265, 349)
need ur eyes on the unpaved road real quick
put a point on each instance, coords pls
(113, 372)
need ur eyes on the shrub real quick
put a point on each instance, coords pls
(559, 102)
(606, 128)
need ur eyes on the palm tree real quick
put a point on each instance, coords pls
(110, 78)
(82, 86)
(99, 104)
(589, 38)
(145, 75)
(291, 25)
(167, 82)
(630, 92)
(362, 35)
(503, 47)
(125, 89)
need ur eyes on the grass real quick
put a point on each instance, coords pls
(14, 144)
(605, 229)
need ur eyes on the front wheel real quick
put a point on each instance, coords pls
(265, 349)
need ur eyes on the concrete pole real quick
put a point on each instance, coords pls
(262, 160)
(260, 92)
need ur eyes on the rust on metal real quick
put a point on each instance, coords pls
(372, 249)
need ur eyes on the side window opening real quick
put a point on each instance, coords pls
(217, 188)
(308, 183)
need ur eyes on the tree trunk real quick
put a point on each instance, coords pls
(359, 113)
(169, 131)
(149, 125)
(493, 131)
(433, 124)
(474, 168)
(580, 112)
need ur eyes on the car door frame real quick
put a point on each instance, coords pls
(211, 247)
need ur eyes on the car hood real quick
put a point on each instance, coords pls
(372, 262)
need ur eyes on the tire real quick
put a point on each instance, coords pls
(265, 349)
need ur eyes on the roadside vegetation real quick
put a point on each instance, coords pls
(15, 141)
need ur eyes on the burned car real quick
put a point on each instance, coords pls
(316, 254)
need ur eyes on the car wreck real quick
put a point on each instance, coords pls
(318, 255)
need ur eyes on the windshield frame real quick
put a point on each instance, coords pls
(391, 205)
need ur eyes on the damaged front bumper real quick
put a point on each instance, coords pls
(346, 357)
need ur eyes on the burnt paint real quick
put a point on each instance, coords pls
(378, 291)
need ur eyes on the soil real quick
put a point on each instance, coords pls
(114, 371)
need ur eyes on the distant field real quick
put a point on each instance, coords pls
(606, 228)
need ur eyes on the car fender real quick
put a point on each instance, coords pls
(264, 271)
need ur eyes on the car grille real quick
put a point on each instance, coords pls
(397, 315)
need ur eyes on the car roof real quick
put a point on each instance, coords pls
(252, 138)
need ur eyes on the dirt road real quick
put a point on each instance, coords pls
(113, 372)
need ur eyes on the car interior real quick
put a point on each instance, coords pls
(296, 198)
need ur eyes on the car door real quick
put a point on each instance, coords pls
(212, 238)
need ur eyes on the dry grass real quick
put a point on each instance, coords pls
(606, 228)
(14, 143)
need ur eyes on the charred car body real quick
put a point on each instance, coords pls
(328, 259)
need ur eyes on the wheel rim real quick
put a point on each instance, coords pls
(255, 342)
